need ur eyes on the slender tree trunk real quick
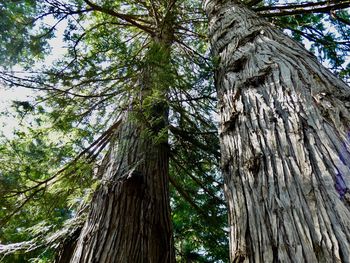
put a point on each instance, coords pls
(284, 142)
(129, 218)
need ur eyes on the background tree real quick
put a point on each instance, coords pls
(115, 64)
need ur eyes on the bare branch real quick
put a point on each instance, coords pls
(128, 18)
(305, 8)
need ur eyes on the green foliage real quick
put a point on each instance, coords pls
(36, 195)
(328, 37)
(43, 183)
(22, 41)
(199, 224)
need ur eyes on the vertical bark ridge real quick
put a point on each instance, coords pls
(130, 215)
(284, 143)
(129, 219)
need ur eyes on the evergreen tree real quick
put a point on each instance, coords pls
(131, 106)
(131, 74)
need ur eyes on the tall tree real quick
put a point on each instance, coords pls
(135, 79)
(285, 150)
(130, 66)
(129, 218)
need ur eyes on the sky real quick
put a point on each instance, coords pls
(7, 95)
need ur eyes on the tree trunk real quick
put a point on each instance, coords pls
(284, 141)
(130, 215)
(129, 218)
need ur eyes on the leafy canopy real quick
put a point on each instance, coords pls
(47, 173)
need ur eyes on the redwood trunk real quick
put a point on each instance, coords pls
(129, 219)
(284, 142)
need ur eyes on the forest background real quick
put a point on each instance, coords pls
(50, 161)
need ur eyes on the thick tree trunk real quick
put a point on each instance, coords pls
(284, 142)
(129, 219)
(130, 215)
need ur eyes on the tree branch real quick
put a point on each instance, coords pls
(341, 19)
(305, 8)
(45, 239)
(128, 18)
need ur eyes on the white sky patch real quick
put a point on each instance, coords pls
(57, 44)
(9, 123)
(8, 95)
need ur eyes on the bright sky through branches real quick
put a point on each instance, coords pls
(7, 95)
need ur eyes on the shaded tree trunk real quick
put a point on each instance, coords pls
(130, 215)
(67, 246)
(129, 218)
(284, 142)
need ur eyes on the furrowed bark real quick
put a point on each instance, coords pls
(130, 215)
(285, 143)
(129, 219)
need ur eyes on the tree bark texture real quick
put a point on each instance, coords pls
(129, 219)
(284, 141)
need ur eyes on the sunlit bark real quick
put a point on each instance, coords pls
(284, 143)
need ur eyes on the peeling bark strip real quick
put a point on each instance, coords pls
(287, 154)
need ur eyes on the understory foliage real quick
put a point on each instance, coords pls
(48, 165)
